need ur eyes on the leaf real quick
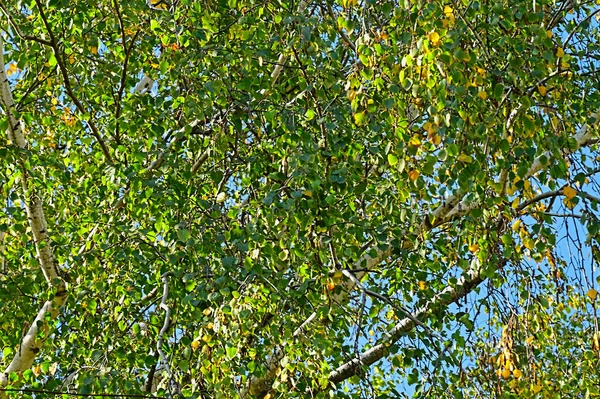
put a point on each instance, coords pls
(392, 159)
(183, 235)
(569, 192)
(560, 52)
(592, 294)
(12, 68)
(231, 352)
(221, 197)
(414, 174)
(360, 118)
(434, 38)
(542, 90)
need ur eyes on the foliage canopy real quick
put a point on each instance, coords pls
(361, 198)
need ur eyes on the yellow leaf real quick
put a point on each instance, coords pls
(592, 294)
(308, 193)
(536, 388)
(560, 52)
(94, 50)
(428, 126)
(434, 38)
(505, 373)
(207, 312)
(436, 139)
(414, 174)
(414, 141)
(529, 340)
(516, 225)
(549, 34)
(159, 4)
(422, 285)
(517, 373)
(465, 158)
(482, 95)
(195, 345)
(12, 68)
(474, 247)
(542, 90)
(448, 11)
(569, 192)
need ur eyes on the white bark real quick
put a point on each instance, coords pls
(451, 208)
(450, 294)
(39, 329)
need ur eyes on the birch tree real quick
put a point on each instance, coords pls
(349, 199)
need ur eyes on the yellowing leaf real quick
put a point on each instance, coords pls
(542, 90)
(414, 174)
(94, 50)
(474, 247)
(505, 373)
(448, 11)
(482, 95)
(159, 4)
(536, 388)
(529, 340)
(12, 68)
(516, 225)
(560, 52)
(427, 126)
(569, 192)
(434, 38)
(422, 285)
(195, 345)
(436, 139)
(414, 141)
(549, 34)
(465, 158)
(360, 118)
(592, 294)
(517, 373)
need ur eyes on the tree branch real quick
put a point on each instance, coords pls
(39, 329)
(69, 89)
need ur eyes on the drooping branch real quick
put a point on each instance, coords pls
(450, 294)
(453, 207)
(39, 329)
